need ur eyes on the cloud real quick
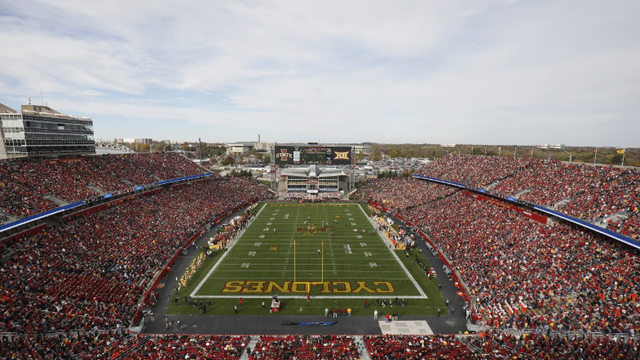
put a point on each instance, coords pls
(407, 71)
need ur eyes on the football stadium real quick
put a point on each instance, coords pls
(152, 256)
(143, 229)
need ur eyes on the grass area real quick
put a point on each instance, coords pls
(340, 264)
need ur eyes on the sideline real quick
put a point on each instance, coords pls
(231, 244)
(406, 271)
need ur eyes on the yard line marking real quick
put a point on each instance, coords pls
(290, 243)
(233, 242)
(415, 283)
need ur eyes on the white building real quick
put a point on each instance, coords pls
(313, 180)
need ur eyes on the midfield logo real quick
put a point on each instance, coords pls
(341, 155)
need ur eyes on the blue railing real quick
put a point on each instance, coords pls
(602, 231)
(40, 216)
(80, 203)
(184, 178)
(450, 183)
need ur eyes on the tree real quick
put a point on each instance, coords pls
(407, 173)
(230, 160)
(187, 147)
(360, 156)
(616, 159)
(266, 159)
(144, 148)
(393, 153)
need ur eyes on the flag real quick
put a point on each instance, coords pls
(595, 151)
(472, 148)
(531, 151)
(499, 147)
(621, 151)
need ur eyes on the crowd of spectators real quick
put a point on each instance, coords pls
(554, 346)
(90, 271)
(294, 195)
(77, 345)
(24, 184)
(327, 347)
(179, 347)
(491, 344)
(400, 193)
(591, 193)
(502, 345)
(417, 347)
(302, 195)
(523, 274)
(329, 195)
(476, 171)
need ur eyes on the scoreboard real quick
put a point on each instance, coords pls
(313, 154)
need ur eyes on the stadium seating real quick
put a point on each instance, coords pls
(24, 184)
(68, 291)
(522, 274)
(497, 344)
(401, 193)
(90, 272)
(587, 192)
(305, 347)
(178, 347)
(553, 346)
(416, 347)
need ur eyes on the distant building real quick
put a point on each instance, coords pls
(312, 180)
(364, 148)
(264, 146)
(147, 141)
(239, 147)
(39, 131)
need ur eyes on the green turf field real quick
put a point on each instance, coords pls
(325, 252)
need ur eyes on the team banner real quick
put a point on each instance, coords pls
(284, 155)
(339, 155)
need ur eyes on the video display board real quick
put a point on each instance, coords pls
(312, 154)
(284, 155)
(339, 155)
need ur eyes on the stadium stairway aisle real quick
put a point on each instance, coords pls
(362, 348)
(448, 324)
(170, 284)
(253, 340)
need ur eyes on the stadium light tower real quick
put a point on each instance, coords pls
(447, 146)
(545, 147)
(560, 147)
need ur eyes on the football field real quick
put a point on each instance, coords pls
(325, 253)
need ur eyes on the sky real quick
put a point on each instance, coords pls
(429, 71)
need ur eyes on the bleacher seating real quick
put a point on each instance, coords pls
(522, 274)
(90, 272)
(23, 184)
(591, 193)
(305, 348)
